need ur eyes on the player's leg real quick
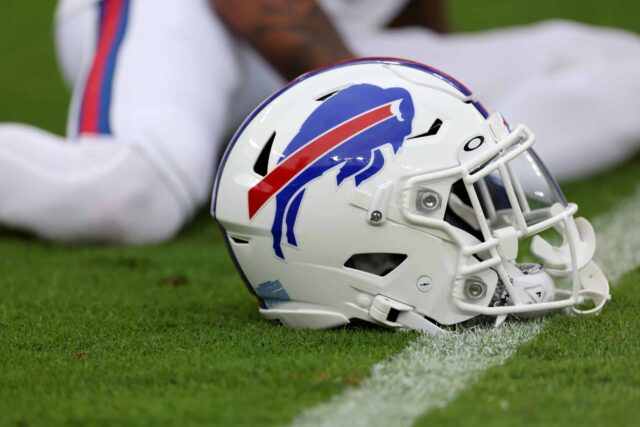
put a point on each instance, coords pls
(554, 76)
(147, 114)
(585, 119)
(170, 92)
(91, 191)
(259, 81)
(94, 191)
(492, 62)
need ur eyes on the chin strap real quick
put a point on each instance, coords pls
(395, 314)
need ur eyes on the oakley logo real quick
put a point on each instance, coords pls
(474, 143)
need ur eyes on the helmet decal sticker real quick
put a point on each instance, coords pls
(347, 132)
(474, 143)
(272, 293)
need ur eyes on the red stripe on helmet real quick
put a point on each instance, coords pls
(305, 156)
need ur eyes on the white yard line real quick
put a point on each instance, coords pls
(429, 373)
(432, 370)
(619, 238)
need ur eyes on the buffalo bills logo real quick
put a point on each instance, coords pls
(347, 131)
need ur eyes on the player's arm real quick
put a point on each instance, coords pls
(430, 14)
(295, 36)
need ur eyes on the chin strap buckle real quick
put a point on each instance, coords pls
(395, 314)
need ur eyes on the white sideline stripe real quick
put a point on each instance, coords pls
(429, 373)
(619, 238)
(432, 370)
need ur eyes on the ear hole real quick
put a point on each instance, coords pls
(262, 163)
(379, 264)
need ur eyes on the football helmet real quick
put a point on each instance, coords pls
(380, 189)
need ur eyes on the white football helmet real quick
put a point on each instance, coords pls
(380, 189)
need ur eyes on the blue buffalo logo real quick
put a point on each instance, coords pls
(345, 132)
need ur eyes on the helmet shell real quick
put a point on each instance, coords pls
(292, 236)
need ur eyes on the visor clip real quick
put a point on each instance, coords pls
(377, 214)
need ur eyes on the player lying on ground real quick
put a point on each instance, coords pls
(156, 95)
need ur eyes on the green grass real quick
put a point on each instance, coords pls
(167, 334)
(470, 15)
(157, 335)
(579, 371)
(31, 89)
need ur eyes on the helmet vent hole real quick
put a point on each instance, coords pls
(379, 264)
(327, 96)
(433, 130)
(262, 163)
(238, 240)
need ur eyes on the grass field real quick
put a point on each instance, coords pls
(167, 334)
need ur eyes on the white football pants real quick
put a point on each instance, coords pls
(155, 85)
(158, 85)
(576, 86)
